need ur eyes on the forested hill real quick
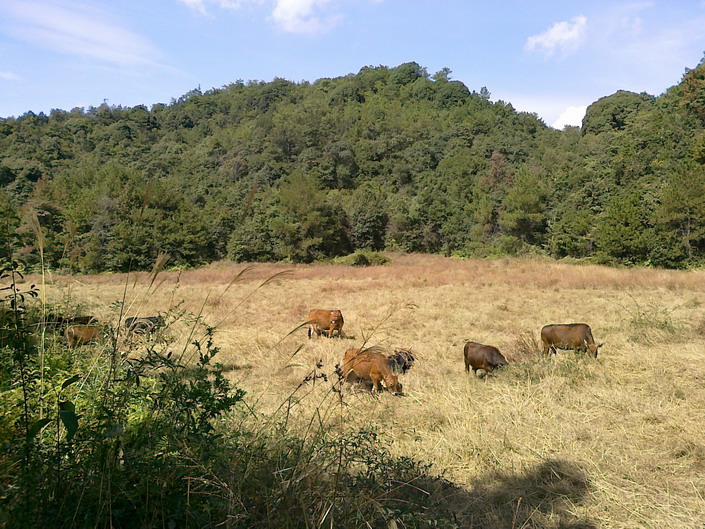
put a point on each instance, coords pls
(388, 158)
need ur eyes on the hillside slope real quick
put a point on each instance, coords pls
(388, 158)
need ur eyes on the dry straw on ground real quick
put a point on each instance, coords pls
(612, 442)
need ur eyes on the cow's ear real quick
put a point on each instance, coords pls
(600, 344)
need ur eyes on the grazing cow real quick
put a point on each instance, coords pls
(478, 356)
(82, 334)
(144, 324)
(576, 336)
(369, 365)
(401, 361)
(325, 321)
(58, 321)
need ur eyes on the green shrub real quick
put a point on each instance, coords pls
(362, 258)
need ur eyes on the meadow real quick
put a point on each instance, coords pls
(564, 442)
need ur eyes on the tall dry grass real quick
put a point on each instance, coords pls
(612, 442)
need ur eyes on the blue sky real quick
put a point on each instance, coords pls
(551, 57)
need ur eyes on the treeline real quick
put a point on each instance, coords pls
(388, 158)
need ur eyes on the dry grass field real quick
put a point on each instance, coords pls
(564, 442)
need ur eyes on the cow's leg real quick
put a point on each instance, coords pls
(375, 382)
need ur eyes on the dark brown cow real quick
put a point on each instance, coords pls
(576, 336)
(371, 366)
(82, 334)
(144, 324)
(478, 356)
(326, 322)
(401, 361)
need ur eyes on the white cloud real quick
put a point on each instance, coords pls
(556, 110)
(78, 30)
(200, 5)
(564, 36)
(9, 76)
(572, 115)
(293, 16)
(297, 16)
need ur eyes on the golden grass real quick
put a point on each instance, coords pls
(612, 442)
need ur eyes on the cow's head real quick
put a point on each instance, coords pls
(392, 384)
(594, 347)
(336, 317)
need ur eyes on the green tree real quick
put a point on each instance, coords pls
(9, 222)
(625, 231)
(571, 233)
(692, 87)
(681, 213)
(252, 240)
(308, 227)
(613, 112)
(488, 193)
(523, 213)
(407, 73)
(368, 217)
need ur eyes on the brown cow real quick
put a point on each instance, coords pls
(325, 321)
(82, 334)
(486, 357)
(576, 336)
(369, 365)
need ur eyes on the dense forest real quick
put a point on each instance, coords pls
(385, 159)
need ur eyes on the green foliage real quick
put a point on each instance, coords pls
(681, 213)
(388, 158)
(571, 234)
(524, 208)
(252, 241)
(407, 73)
(368, 217)
(613, 112)
(362, 258)
(9, 222)
(308, 227)
(625, 231)
(693, 91)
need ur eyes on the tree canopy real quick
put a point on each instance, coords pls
(388, 158)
